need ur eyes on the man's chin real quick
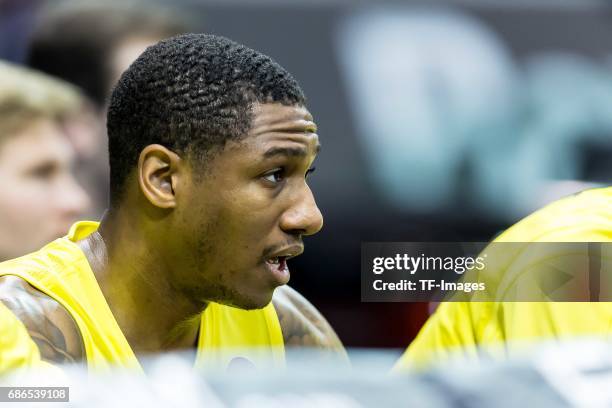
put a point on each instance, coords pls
(251, 301)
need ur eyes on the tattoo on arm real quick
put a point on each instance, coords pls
(49, 325)
(303, 325)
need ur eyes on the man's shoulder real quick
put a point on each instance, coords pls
(301, 323)
(585, 216)
(48, 258)
(48, 323)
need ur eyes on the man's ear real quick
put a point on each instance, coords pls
(158, 172)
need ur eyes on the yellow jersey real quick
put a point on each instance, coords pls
(61, 271)
(470, 328)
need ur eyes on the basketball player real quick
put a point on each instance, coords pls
(500, 329)
(210, 148)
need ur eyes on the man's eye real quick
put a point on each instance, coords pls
(43, 172)
(275, 176)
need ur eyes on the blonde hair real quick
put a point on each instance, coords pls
(27, 95)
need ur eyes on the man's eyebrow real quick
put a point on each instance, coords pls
(289, 151)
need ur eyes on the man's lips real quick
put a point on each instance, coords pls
(286, 252)
(276, 262)
(279, 271)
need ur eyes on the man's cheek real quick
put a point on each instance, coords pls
(245, 220)
(253, 196)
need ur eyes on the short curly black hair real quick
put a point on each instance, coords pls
(190, 93)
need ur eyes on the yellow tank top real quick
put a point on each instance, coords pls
(506, 327)
(61, 270)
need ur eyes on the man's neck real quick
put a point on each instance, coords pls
(134, 279)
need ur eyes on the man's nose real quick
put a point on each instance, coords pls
(303, 217)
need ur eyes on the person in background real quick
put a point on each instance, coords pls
(40, 196)
(505, 327)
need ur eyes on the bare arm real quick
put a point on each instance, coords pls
(47, 322)
(304, 326)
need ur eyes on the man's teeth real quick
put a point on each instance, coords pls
(274, 261)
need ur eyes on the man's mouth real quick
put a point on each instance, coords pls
(277, 262)
(278, 266)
